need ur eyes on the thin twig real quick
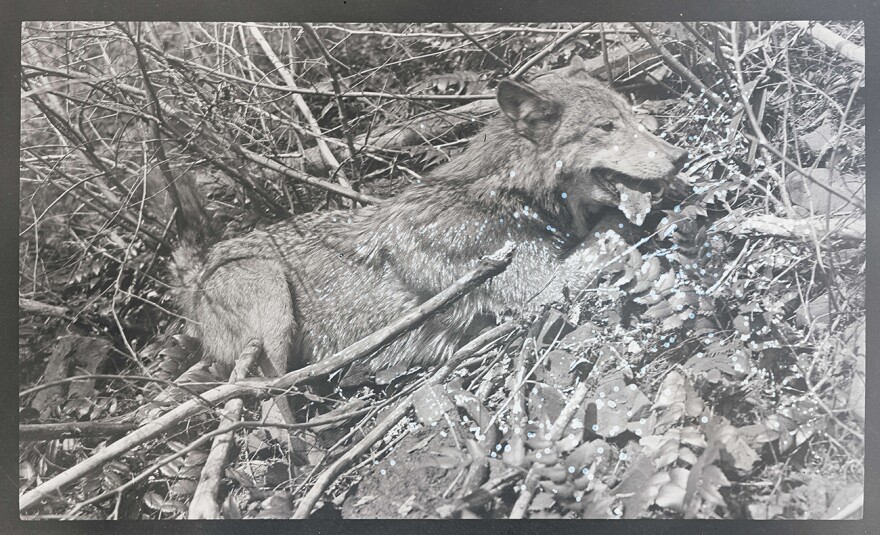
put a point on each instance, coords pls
(680, 69)
(439, 35)
(304, 177)
(157, 142)
(57, 431)
(337, 90)
(547, 50)
(299, 101)
(801, 229)
(480, 45)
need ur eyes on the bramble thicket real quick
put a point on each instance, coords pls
(714, 370)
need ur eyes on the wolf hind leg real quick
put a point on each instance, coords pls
(245, 300)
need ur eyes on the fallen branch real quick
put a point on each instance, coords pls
(179, 61)
(488, 267)
(52, 487)
(799, 229)
(480, 45)
(37, 432)
(37, 308)
(823, 35)
(29, 306)
(204, 504)
(392, 418)
(305, 178)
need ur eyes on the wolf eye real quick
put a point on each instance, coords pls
(609, 126)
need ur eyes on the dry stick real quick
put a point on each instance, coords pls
(29, 306)
(362, 140)
(392, 418)
(849, 509)
(548, 49)
(304, 177)
(518, 411)
(144, 474)
(204, 502)
(340, 106)
(341, 144)
(393, 137)
(439, 35)
(211, 157)
(480, 45)
(38, 432)
(608, 70)
(76, 184)
(185, 387)
(407, 134)
(487, 268)
(802, 229)
(762, 139)
(52, 487)
(329, 475)
(823, 35)
(680, 69)
(559, 426)
(65, 127)
(107, 198)
(172, 113)
(702, 40)
(299, 101)
(256, 158)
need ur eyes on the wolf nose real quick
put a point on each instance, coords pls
(678, 157)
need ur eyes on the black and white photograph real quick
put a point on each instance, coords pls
(438, 270)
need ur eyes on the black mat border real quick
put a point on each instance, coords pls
(13, 13)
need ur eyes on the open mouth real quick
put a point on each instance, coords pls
(635, 196)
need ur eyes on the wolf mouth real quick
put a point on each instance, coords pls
(616, 183)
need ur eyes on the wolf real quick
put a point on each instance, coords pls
(564, 150)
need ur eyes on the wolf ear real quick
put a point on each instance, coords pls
(533, 114)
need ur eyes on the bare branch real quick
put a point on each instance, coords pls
(204, 502)
(519, 72)
(842, 46)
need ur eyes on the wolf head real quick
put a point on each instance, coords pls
(589, 134)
